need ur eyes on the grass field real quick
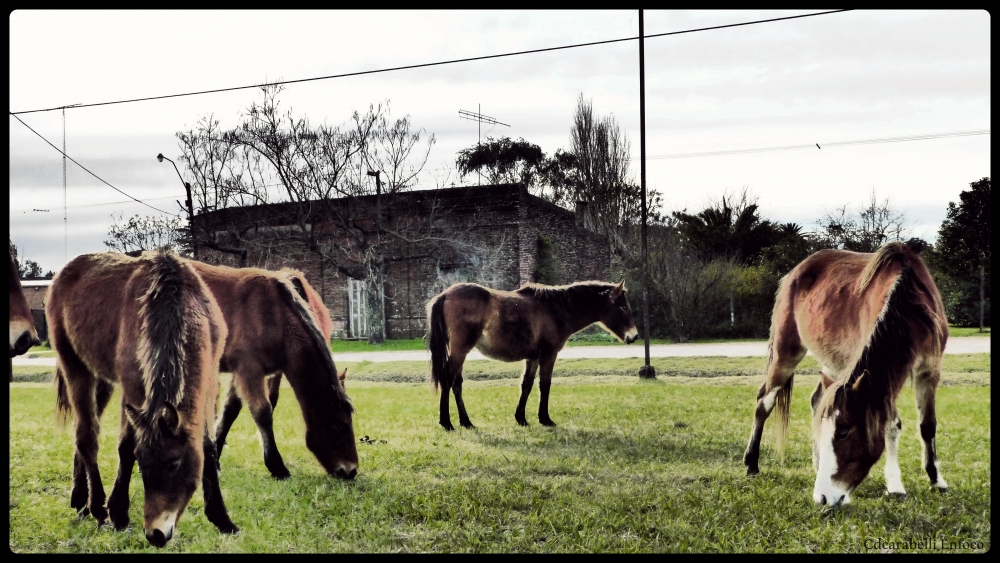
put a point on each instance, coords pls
(634, 466)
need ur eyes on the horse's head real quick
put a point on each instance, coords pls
(330, 437)
(22, 327)
(170, 458)
(845, 446)
(616, 315)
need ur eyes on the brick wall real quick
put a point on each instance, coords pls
(503, 221)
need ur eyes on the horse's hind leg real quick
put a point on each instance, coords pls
(456, 387)
(527, 380)
(251, 389)
(118, 500)
(786, 354)
(215, 508)
(83, 396)
(229, 413)
(273, 386)
(926, 389)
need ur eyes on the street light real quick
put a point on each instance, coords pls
(190, 207)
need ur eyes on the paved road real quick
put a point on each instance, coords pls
(963, 345)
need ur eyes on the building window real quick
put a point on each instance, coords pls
(357, 312)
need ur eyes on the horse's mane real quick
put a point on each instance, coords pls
(161, 350)
(290, 294)
(889, 355)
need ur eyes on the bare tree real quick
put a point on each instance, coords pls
(603, 181)
(143, 233)
(276, 180)
(875, 223)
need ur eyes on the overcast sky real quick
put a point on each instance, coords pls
(839, 77)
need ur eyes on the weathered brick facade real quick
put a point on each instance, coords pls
(505, 219)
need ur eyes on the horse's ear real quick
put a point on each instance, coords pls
(169, 419)
(826, 379)
(617, 291)
(818, 394)
(343, 377)
(133, 415)
(857, 382)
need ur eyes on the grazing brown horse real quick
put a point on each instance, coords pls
(531, 324)
(872, 320)
(272, 328)
(22, 327)
(150, 325)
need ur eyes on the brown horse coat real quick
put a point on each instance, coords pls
(532, 323)
(22, 326)
(872, 320)
(273, 329)
(150, 325)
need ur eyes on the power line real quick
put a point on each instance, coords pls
(424, 65)
(81, 206)
(831, 144)
(85, 168)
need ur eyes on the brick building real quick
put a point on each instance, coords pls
(499, 228)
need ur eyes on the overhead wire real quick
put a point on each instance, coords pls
(88, 170)
(438, 63)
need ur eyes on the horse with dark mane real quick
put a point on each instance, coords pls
(22, 327)
(532, 323)
(277, 324)
(151, 325)
(872, 321)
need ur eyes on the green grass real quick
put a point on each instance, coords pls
(967, 331)
(634, 466)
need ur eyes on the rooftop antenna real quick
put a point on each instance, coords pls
(479, 117)
(65, 219)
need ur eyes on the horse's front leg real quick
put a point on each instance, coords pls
(252, 389)
(527, 381)
(118, 501)
(544, 382)
(215, 508)
(926, 389)
(893, 477)
(229, 413)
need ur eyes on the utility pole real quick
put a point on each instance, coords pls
(646, 371)
(480, 118)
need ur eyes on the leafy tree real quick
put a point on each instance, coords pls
(730, 227)
(26, 268)
(503, 161)
(963, 245)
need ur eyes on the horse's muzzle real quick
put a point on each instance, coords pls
(23, 344)
(631, 336)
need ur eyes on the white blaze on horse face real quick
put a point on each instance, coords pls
(826, 490)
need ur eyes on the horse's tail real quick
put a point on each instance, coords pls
(161, 350)
(782, 406)
(885, 255)
(438, 343)
(63, 406)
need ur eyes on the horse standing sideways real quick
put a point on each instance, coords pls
(872, 320)
(272, 328)
(152, 326)
(532, 323)
(22, 326)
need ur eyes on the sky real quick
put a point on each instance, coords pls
(845, 76)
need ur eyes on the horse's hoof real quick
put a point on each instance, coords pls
(447, 426)
(468, 425)
(941, 490)
(546, 422)
(752, 470)
(82, 513)
(228, 528)
(896, 496)
(280, 473)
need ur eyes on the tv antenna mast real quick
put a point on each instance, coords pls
(65, 219)
(480, 118)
